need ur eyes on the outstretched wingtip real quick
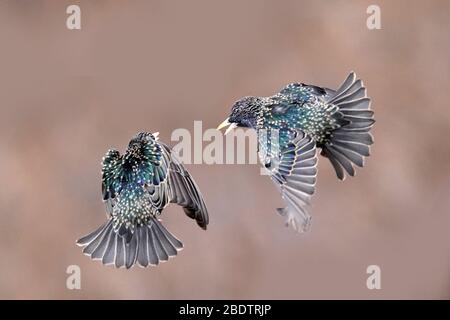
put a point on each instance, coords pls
(301, 223)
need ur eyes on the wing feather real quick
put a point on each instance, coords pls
(295, 178)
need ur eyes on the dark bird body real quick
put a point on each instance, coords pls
(136, 187)
(293, 123)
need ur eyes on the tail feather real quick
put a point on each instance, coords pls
(152, 256)
(91, 236)
(131, 251)
(350, 143)
(149, 245)
(169, 248)
(100, 249)
(143, 257)
(354, 137)
(92, 245)
(119, 260)
(159, 249)
(336, 165)
(108, 256)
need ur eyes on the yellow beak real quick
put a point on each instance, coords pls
(228, 124)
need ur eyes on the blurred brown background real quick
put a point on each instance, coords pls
(67, 96)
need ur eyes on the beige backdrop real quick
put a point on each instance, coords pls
(68, 96)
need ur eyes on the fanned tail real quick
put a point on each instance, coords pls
(349, 144)
(150, 244)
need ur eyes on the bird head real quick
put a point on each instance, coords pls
(244, 113)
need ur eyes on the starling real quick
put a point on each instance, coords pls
(136, 187)
(293, 123)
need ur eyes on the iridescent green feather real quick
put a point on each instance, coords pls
(126, 179)
(296, 107)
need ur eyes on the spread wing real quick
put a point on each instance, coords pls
(185, 192)
(158, 188)
(111, 172)
(294, 174)
(111, 183)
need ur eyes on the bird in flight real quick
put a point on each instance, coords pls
(293, 123)
(136, 187)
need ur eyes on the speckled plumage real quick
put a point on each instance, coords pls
(136, 187)
(126, 180)
(293, 123)
(298, 107)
